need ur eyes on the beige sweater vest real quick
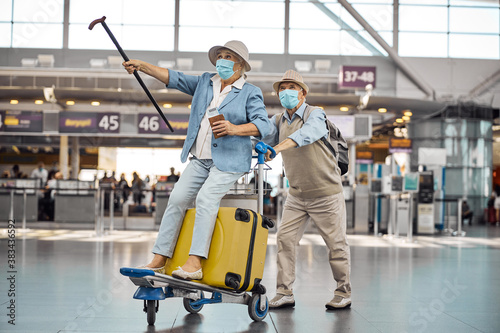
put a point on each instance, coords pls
(311, 170)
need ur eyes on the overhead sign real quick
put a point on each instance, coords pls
(364, 157)
(356, 77)
(89, 122)
(400, 145)
(21, 121)
(150, 123)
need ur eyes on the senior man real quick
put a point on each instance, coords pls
(315, 191)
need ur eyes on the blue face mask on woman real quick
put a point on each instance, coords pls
(225, 68)
(289, 98)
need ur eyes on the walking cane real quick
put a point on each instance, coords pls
(124, 56)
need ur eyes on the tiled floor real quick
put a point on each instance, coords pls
(69, 281)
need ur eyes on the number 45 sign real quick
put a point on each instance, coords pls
(356, 77)
(108, 122)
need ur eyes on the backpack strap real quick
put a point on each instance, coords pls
(307, 113)
(278, 119)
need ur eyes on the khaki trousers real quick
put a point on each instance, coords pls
(329, 215)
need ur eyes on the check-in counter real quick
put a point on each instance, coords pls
(162, 195)
(74, 201)
(25, 197)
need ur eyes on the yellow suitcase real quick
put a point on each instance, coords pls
(237, 251)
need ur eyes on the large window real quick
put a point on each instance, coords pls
(426, 28)
(137, 25)
(325, 27)
(31, 24)
(259, 24)
(454, 28)
(5, 24)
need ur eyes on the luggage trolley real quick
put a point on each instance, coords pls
(153, 287)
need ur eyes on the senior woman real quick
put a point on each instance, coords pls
(216, 164)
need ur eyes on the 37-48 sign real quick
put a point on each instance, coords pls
(356, 77)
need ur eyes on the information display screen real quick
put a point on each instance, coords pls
(21, 121)
(397, 184)
(411, 182)
(89, 122)
(376, 185)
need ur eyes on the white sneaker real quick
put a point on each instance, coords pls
(338, 302)
(182, 274)
(160, 270)
(282, 301)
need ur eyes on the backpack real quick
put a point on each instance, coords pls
(335, 143)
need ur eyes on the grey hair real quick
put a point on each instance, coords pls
(240, 60)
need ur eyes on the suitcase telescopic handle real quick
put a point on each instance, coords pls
(261, 148)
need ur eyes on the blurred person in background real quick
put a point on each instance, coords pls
(137, 187)
(40, 173)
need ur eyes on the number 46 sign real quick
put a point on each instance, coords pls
(149, 123)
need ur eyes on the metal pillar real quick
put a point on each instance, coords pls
(75, 157)
(459, 231)
(112, 210)
(11, 213)
(24, 208)
(409, 233)
(63, 156)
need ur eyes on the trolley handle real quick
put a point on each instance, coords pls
(261, 148)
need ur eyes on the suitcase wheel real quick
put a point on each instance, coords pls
(267, 222)
(254, 310)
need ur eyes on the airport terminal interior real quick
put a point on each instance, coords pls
(88, 162)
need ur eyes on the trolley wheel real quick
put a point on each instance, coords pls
(254, 308)
(188, 304)
(151, 307)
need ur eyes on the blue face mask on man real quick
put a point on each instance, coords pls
(289, 98)
(225, 68)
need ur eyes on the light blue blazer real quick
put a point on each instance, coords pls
(229, 153)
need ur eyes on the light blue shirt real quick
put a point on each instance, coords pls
(313, 130)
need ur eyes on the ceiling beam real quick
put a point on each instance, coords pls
(423, 86)
(483, 87)
(344, 26)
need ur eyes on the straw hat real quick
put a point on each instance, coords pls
(291, 76)
(235, 46)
